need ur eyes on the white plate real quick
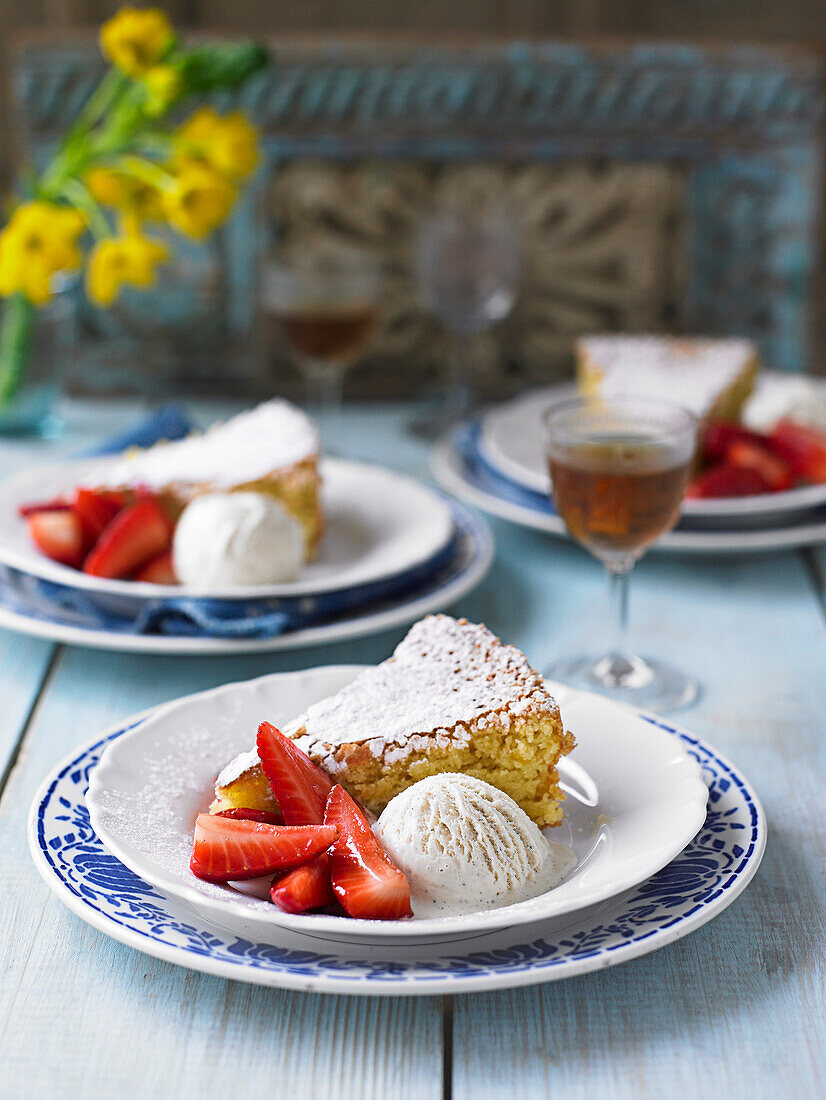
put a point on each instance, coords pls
(511, 441)
(470, 561)
(635, 800)
(451, 471)
(378, 524)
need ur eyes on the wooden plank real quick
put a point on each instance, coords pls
(740, 1002)
(108, 1018)
(23, 665)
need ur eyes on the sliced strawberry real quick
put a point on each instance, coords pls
(159, 570)
(227, 848)
(364, 879)
(803, 447)
(719, 436)
(135, 535)
(242, 813)
(300, 786)
(96, 509)
(304, 888)
(753, 456)
(56, 504)
(58, 535)
(727, 480)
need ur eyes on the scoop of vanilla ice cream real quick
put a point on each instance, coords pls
(465, 845)
(223, 540)
(802, 399)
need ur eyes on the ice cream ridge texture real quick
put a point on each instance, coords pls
(451, 698)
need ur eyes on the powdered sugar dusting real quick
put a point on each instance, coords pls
(273, 436)
(692, 372)
(444, 675)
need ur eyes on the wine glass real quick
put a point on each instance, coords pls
(325, 308)
(618, 469)
(467, 265)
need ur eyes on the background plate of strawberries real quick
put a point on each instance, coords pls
(743, 476)
(635, 800)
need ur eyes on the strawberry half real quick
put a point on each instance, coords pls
(56, 504)
(803, 447)
(727, 480)
(228, 848)
(135, 535)
(159, 570)
(775, 471)
(242, 813)
(364, 879)
(300, 786)
(96, 508)
(304, 888)
(58, 535)
(719, 436)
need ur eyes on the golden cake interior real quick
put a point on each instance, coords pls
(504, 727)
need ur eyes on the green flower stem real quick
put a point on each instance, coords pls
(15, 333)
(79, 195)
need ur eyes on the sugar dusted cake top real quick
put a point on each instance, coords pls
(273, 436)
(446, 672)
(690, 371)
(444, 677)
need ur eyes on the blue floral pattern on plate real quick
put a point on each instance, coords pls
(711, 870)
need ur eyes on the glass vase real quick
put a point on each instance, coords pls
(44, 352)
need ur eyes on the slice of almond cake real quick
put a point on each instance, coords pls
(452, 698)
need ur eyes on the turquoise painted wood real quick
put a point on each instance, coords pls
(737, 1006)
(744, 120)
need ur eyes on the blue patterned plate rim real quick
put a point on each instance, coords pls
(470, 563)
(702, 881)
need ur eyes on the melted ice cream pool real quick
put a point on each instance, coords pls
(466, 846)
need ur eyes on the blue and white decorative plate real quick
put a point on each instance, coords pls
(28, 609)
(698, 884)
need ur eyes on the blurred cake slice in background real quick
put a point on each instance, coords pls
(713, 378)
(452, 698)
(271, 449)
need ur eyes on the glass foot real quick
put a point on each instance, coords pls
(643, 682)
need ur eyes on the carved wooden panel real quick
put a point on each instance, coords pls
(728, 136)
(601, 250)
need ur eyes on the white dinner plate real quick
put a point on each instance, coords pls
(472, 485)
(635, 800)
(378, 524)
(511, 440)
(704, 879)
(470, 559)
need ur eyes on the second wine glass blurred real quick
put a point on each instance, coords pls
(467, 264)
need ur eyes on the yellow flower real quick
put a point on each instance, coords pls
(135, 38)
(120, 260)
(163, 86)
(39, 241)
(111, 187)
(227, 142)
(199, 201)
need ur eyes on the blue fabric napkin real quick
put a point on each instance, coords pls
(199, 616)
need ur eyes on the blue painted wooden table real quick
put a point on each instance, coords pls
(737, 1008)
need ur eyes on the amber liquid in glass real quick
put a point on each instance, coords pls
(321, 333)
(617, 493)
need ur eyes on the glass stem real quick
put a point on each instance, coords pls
(458, 396)
(619, 577)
